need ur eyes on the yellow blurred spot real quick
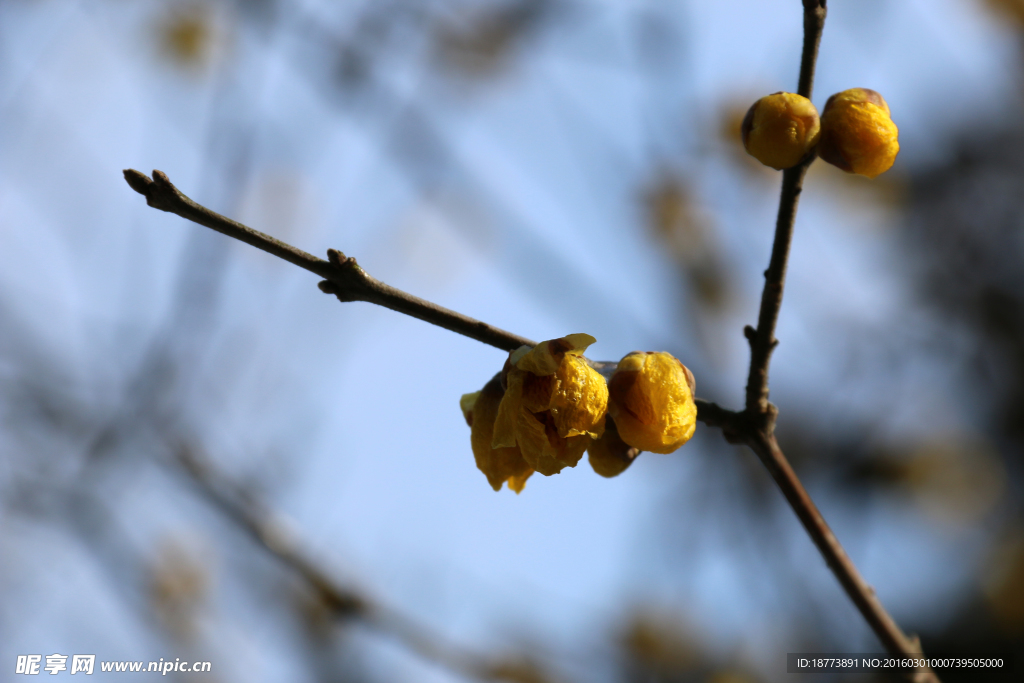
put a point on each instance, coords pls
(1007, 9)
(1004, 585)
(517, 670)
(178, 584)
(186, 36)
(660, 644)
(955, 480)
(680, 224)
(729, 677)
(674, 218)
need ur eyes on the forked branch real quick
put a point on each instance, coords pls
(344, 278)
(753, 426)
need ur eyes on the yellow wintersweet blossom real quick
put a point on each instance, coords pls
(609, 455)
(651, 401)
(500, 465)
(554, 403)
(857, 133)
(780, 129)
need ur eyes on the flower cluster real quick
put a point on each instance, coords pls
(549, 405)
(855, 131)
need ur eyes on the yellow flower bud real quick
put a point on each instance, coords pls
(609, 455)
(780, 129)
(498, 464)
(651, 401)
(857, 133)
(554, 403)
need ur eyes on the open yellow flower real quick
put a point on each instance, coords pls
(554, 403)
(857, 133)
(651, 401)
(500, 465)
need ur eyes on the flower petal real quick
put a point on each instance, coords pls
(545, 357)
(581, 400)
(466, 403)
(498, 464)
(508, 413)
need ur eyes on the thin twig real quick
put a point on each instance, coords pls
(762, 340)
(763, 443)
(266, 528)
(862, 594)
(342, 275)
(814, 24)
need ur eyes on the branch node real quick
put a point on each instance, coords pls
(750, 333)
(761, 423)
(349, 282)
(338, 258)
(734, 435)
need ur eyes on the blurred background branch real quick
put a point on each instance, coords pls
(273, 534)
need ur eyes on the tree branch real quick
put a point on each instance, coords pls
(762, 339)
(754, 426)
(349, 282)
(814, 24)
(342, 275)
(862, 594)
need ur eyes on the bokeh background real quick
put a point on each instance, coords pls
(549, 166)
